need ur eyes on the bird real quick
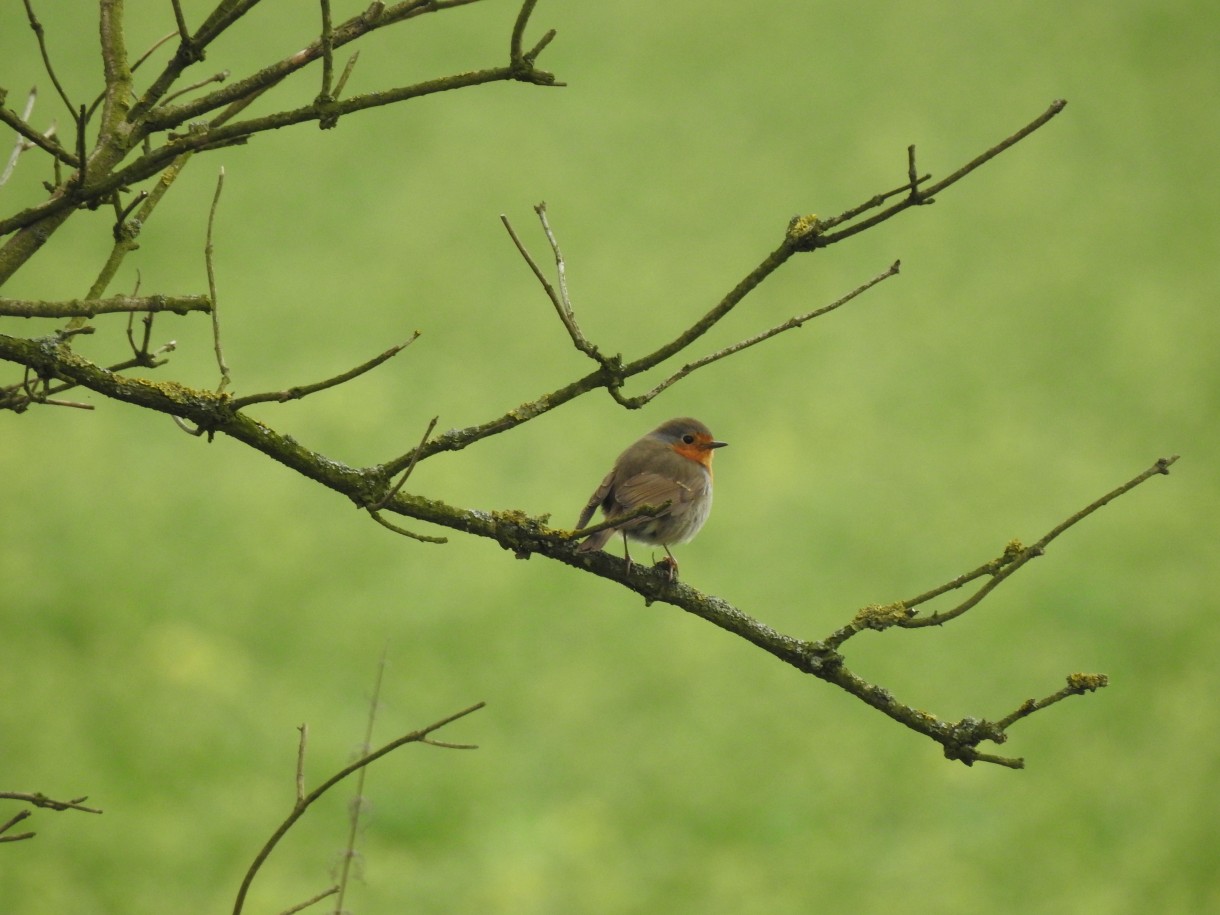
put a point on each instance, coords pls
(670, 466)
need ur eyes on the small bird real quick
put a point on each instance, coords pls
(671, 464)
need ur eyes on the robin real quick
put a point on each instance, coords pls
(671, 465)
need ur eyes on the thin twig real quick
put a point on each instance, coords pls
(347, 72)
(296, 393)
(46, 57)
(207, 257)
(1077, 685)
(21, 144)
(184, 33)
(38, 799)
(515, 53)
(101, 97)
(301, 906)
(10, 823)
(357, 804)
(214, 78)
(301, 744)
(790, 324)
(415, 453)
(375, 514)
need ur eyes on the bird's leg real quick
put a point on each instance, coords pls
(627, 554)
(670, 563)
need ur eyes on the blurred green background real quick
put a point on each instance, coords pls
(172, 610)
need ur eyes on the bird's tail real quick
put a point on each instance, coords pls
(596, 541)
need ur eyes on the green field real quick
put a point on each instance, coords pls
(172, 610)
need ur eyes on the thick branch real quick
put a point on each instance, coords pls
(523, 535)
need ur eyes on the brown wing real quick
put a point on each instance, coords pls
(650, 489)
(599, 496)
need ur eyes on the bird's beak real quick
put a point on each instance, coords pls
(716, 444)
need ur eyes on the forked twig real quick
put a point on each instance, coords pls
(302, 805)
(1015, 555)
(560, 299)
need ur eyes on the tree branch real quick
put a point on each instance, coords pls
(89, 308)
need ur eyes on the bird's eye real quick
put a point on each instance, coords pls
(688, 438)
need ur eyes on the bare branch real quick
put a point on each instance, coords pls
(88, 308)
(298, 810)
(296, 393)
(918, 197)
(38, 799)
(794, 322)
(1015, 555)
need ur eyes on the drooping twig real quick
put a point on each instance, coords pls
(301, 806)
